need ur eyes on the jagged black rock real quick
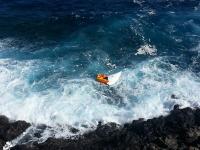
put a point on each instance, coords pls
(179, 130)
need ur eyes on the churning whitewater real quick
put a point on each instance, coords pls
(49, 60)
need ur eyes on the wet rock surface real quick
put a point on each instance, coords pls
(179, 130)
(10, 130)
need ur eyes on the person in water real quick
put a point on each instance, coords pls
(102, 78)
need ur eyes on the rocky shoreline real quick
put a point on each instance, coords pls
(10, 130)
(179, 130)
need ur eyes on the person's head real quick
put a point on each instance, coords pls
(99, 76)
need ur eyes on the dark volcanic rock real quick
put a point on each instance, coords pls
(2, 143)
(173, 96)
(10, 130)
(179, 130)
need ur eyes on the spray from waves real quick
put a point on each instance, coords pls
(146, 49)
(143, 92)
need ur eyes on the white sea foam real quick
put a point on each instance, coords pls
(81, 102)
(146, 50)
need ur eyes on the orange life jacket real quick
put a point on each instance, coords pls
(102, 78)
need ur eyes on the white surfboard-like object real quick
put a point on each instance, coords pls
(112, 79)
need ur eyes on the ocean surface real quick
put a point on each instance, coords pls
(51, 51)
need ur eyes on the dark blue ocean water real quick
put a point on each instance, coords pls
(51, 50)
